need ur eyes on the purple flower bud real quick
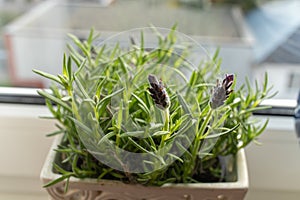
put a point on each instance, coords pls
(221, 92)
(158, 93)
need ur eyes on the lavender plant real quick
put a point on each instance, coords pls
(186, 125)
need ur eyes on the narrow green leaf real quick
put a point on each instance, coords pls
(111, 95)
(261, 130)
(50, 107)
(156, 126)
(63, 79)
(55, 133)
(81, 88)
(184, 105)
(65, 71)
(60, 169)
(60, 179)
(138, 146)
(55, 100)
(183, 149)
(105, 171)
(123, 65)
(193, 78)
(90, 37)
(66, 98)
(204, 124)
(48, 76)
(177, 71)
(120, 115)
(133, 134)
(114, 51)
(148, 162)
(100, 54)
(106, 137)
(69, 68)
(160, 133)
(216, 55)
(215, 135)
(75, 169)
(251, 110)
(142, 104)
(80, 68)
(204, 85)
(67, 185)
(99, 86)
(104, 101)
(79, 44)
(76, 60)
(176, 157)
(117, 175)
(80, 125)
(184, 127)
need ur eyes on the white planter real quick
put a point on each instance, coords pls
(92, 189)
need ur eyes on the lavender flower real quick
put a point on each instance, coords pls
(158, 93)
(221, 92)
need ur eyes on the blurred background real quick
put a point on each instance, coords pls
(254, 37)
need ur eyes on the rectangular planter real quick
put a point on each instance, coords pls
(90, 189)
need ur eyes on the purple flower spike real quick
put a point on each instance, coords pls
(158, 93)
(227, 82)
(221, 92)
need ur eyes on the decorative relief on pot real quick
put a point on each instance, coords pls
(58, 193)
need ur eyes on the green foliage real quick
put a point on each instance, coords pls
(93, 77)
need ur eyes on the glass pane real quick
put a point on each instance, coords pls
(252, 40)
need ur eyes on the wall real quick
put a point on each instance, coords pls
(23, 147)
(274, 165)
(235, 60)
(279, 77)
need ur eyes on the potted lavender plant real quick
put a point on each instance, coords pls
(143, 121)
